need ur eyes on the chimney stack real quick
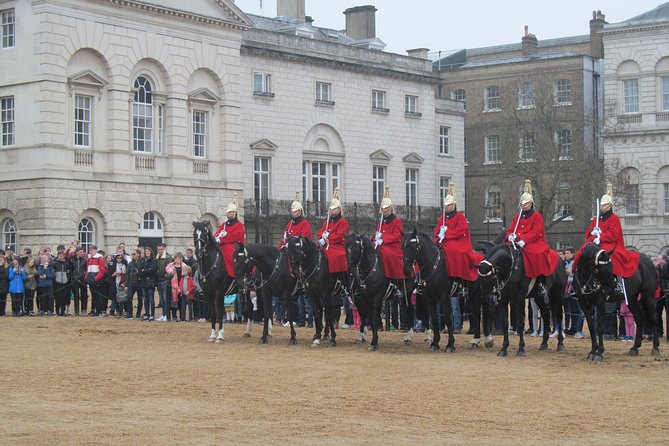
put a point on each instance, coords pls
(420, 53)
(293, 9)
(361, 22)
(596, 25)
(529, 43)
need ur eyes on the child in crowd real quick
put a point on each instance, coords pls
(45, 275)
(4, 286)
(229, 303)
(188, 295)
(30, 286)
(61, 291)
(630, 326)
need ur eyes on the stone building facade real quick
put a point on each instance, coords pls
(636, 139)
(126, 120)
(533, 110)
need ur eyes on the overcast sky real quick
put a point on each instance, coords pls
(453, 24)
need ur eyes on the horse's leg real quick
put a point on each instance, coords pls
(219, 315)
(545, 321)
(558, 311)
(434, 316)
(587, 312)
(505, 326)
(410, 315)
(487, 310)
(318, 321)
(637, 312)
(520, 326)
(212, 315)
(475, 314)
(292, 311)
(374, 318)
(248, 313)
(651, 306)
(448, 315)
(601, 315)
(266, 297)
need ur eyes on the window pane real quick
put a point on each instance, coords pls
(631, 95)
(8, 28)
(82, 121)
(493, 149)
(7, 116)
(444, 133)
(199, 133)
(142, 116)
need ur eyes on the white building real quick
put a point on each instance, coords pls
(636, 140)
(124, 119)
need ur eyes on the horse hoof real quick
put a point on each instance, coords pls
(473, 346)
(326, 338)
(262, 341)
(219, 340)
(520, 353)
(633, 352)
(316, 343)
(490, 344)
(372, 348)
(560, 347)
(211, 339)
(292, 342)
(247, 335)
(433, 348)
(332, 343)
(502, 353)
(269, 335)
(655, 352)
(543, 346)
(590, 356)
(598, 358)
(408, 342)
(449, 350)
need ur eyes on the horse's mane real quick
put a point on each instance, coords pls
(588, 255)
(495, 249)
(261, 249)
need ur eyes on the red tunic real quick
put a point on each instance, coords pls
(234, 233)
(297, 227)
(335, 246)
(391, 249)
(538, 257)
(625, 262)
(461, 261)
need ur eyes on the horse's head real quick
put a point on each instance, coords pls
(296, 251)
(411, 248)
(201, 237)
(495, 267)
(355, 249)
(242, 263)
(598, 262)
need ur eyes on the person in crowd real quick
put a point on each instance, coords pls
(4, 287)
(190, 260)
(231, 231)
(630, 326)
(663, 288)
(61, 288)
(117, 275)
(16, 276)
(30, 286)
(162, 260)
(187, 294)
(96, 270)
(147, 277)
(45, 276)
(79, 289)
(132, 282)
(175, 273)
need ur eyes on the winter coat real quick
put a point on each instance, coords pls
(79, 268)
(63, 271)
(4, 281)
(132, 273)
(538, 258)
(50, 276)
(461, 261)
(179, 284)
(16, 280)
(161, 264)
(147, 272)
(95, 269)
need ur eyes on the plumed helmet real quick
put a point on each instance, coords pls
(526, 197)
(450, 196)
(297, 205)
(386, 203)
(232, 207)
(335, 203)
(607, 198)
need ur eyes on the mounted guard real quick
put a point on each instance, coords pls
(388, 239)
(298, 226)
(332, 240)
(231, 231)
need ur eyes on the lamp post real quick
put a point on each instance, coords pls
(487, 208)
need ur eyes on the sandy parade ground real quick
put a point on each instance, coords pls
(68, 380)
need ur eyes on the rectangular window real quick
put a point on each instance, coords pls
(7, 121)
(492, 98)
(199, 133)
(323, 93)
(665, 93)
(142, 127)
(336, 180)
(666, 198)
(632, 199)
(411, 104)
(444, 181)
(262, 84)
(493, 149)
(565, 148)
(161, 129)
(379, 100)
(8, 28)
(261, 182)
(527, 147)
(563, 92)
(319, 180)
(444, 143)
(411, 187)
(526, 95)
(459, 95)
(631, 95)
(493, 204)
(82, 120)
(565, 207)
(378, 183)
(562, 245)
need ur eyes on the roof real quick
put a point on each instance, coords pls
(519, 59)
(541, 44)
(657, 15)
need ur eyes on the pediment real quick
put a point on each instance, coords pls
(381, 155)
(264, 144)
(87, 78)
(217, 10)
(414, 158)
(204, 95)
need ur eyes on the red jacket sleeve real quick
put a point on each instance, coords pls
(440, 223)
(103, 269)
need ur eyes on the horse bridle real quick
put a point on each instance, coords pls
(201, 251)
(370, 271)
(300, 271)
(499, 285)
(249, 261)
(437, 256)
(592, 285)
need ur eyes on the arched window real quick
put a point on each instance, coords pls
(142, 116)
(86, 232)
(9, 234)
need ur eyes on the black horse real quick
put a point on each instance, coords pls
(214, 279)
(310, 267)
(594, 282)
(271, 278)
(502, 277)
(432, 279)
(369, 284)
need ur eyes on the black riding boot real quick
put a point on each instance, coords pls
(543, 292)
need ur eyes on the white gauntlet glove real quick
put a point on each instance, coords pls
(222, 234)
(596, 231)
(322, 241)
(596, 241)
(379, 242)
(377, 236)
(512, 237)
(521, 243)
(325, 235)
